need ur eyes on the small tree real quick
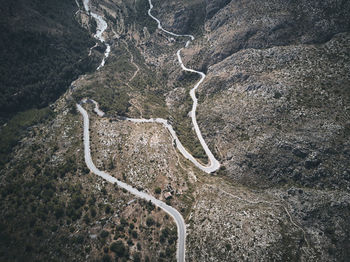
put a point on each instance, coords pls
(118, 248)
(104, 234)
(106, 258)
(134, 234)
(137, 257)
(149, 221)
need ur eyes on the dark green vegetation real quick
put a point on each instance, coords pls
(15, 128)
(157, 190)
(110, 99)
(48, 199)
(42, 50)
(113, 91)
(39, 201)
(189, 16)
(49, 204)
(182, 122)
(141, 16)
(150, 84)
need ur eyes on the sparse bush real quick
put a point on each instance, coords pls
(134, 234)
(104, 234)
(118, 248)
(149, 221)
(106, 258)
(137, 257)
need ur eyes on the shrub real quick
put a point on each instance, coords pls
(104, 234)
(106, 258)
(118, 248)
(137, 257)
(149, 221)
(108, 209)
(134, 234)
(93, 212)
(157, 190)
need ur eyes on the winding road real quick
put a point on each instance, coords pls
(213, 162)
(180, 223)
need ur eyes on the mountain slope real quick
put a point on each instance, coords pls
(43, 49)
(275, 110)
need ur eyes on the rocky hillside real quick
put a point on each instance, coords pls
(274, 109)
(275, 104)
